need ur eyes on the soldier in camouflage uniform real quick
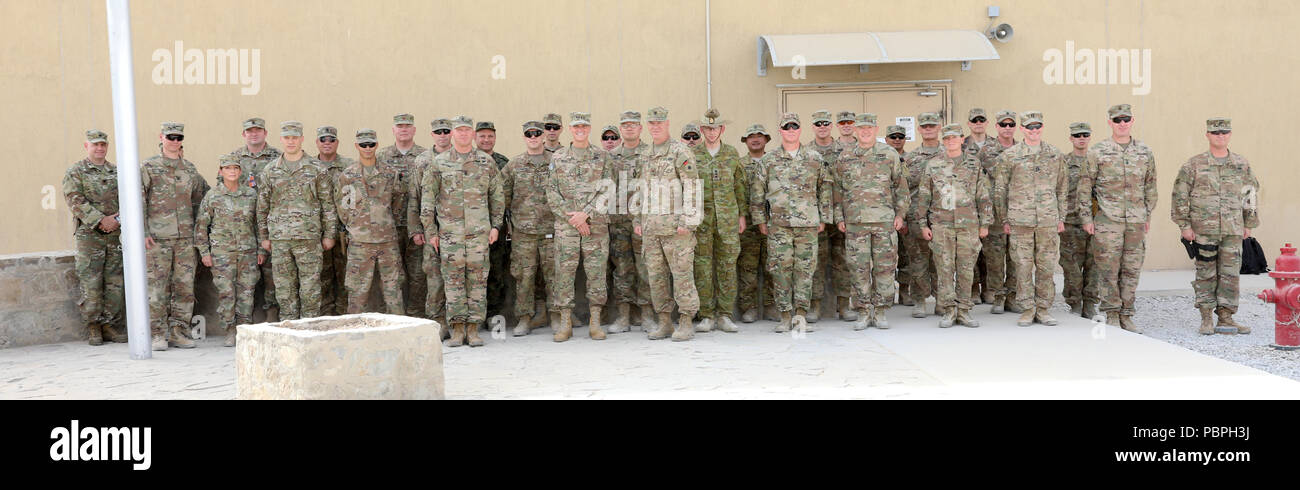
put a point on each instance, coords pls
(255, 155)
(1029, 195)
(1121, 177)
(609, 138)
(999, 269)
(90, 189)
(830, 242)
(1080, 272)
(333, 296)
(667, 239)
(576, 194)
(753, 245)
(399, 157)
(427, 294)
(1216, 204)
(296, 223)
(871, 199)
(225, 233)
(790, 200)
(691, 134)
(531, 224)
(631, 280)
(896, 137)
(717, 239)
(485, 139)
(368, 196)
(977, 120)
(920, 263)
(462, 208)
(552, 126)
(172, 190)
(954, 198)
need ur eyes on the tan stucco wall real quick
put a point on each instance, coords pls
(354, 64)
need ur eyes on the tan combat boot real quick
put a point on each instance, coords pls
(180, 340)
(665, 328)
(1225, 320)
(96, 335)
(457, 335)
(771, 314)
(539, 315)
(595, 330)
(1112, 318)
(471, 335)
(524, 325)
(918, 309)
(1126, 323)
(158, 341)
(1089, 310)
(964, 318)
(705, 325)
(881, 322)
(1011, 305)
(1044, 317)
(726, 325)
(639, 318)
(1207, 321)
(624, 321)
(1026, 317)
(999, 305)
(1076, 308)
(749, 316)
(814, 312)
(905, 295)
(846, 312)
(784, 326)
(231, 333)
(863, 321)
(112, 334)
(684, 331)
(988, 296)
(273, 314)
(949, 317)
(564, 330)
(802, 313)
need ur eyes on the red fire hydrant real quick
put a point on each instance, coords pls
(1287, 297)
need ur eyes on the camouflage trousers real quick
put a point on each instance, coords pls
(363, 259)
(920, 264)
(528, 252)
(791, 260)
(1035, 251)
(268, 285)
(873, 250)
(716, 252)
(334, 267)
(234, 276)
(628, 269)
(999, 268)
(464, 276)
(1078, 267)
(900, 274)
(1118, 249)
(592, 253)
(435, 295)
(416, 289)
(498, 274)
(297, 274)
(750, 265)
(171, 264)
(831, 260)
(954, 251)
(99, 270)
(1217, 281)
(670, 268)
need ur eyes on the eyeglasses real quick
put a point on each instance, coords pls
(328, 139)
(1121, 119)
(1081, 135)
(1034, 126)
(897, 137)
(1220, 132)
(367, 145)
(532, 133)
(821, 124)
(175, 137)
(978, 119)
(442, 131)
(1006, 125)
(690, 136)
(551, 127)
(610, 137)
(790, 127)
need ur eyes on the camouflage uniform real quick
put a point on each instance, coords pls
(1217, 198)
(1029, 191)
(172, 191)
(253, 164)
(1078, 269)
(552, 118)
(753, 249)
(334, 297)
(717, 238)
(226, 231)
(1123, 182)
(870, 191)
(631, 281)
(576, 184)
(295, 212)
(921, 267)
(426, 296)
(901, 274)
(532, 227)
(403, 164)
(830, 242)
(668, 169)
(368, 200)
(499, 252)
(91, 193)
(999, 269)
(954, 199)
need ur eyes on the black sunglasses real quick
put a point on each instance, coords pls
(175, 137)
(612, 137)
(532, 133)
(1220, 132)
(978, 119)
(1006, 125)
(328, 139)
(551, 127)
(790, 126)
(1121, 119)
(367, 145)
(1034, 126)
(442, 131)
(690, 136)
(821, 124)
(1081, 135)
(897, 137)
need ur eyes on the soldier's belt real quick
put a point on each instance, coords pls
(1203, 252)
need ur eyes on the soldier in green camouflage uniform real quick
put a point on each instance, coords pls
(830, 242)
(871, 199)
(667, 239)
(1029, 195)
(172, 190)
(717, 239)
(631, 280)
(921, 267)
(753, 245)
(90, 189)
(999, 269)
(1121, 177)
(368, 196)
(428, 292)
(954, 198)
(485, 139)
(791, 201)
(225, 233)
(254, 155)
(1216, 203)
(1080, 272)
(896, 137)
(399, 157)
(579, 202)
(296, 222)
(462, 208)
(531, 224)
(333, 296)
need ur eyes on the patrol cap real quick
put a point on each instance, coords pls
(170, 128)
(481, 125)
(291, 128)
(928, 118)
(441, 123)
(255, 122)
(821, 116)
(1211, 124)
(552, 118)
(1079, 127)
(462, 121)
(404, 119)
(367, 135)
(1005, 114)
(96, 136)
(1118, 110)
(609, 128)
(657, 114)
(711, 119)
(324, 131)
(753, 130)
(629, 116)
(895, 129)
(579, 119)
(846, 116)
(228, 160)
(976, 112)
(690, 127)
(1030, 117)
(865, 119)
(952, 130)
(532, 125)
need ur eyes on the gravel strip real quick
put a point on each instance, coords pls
(1175, 319)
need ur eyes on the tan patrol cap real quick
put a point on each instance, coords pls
(481, 125)
(324, 131)
(895, 129)
(579, 119)
(865, 119)
(1005, 114)
(691, 127)
(553, 118)
(629, 116)
(404, 119)
(441, 123)
(927, 118)
(254, 122)
(1218, 124)
(170, 128)
(1030, 117)
(1079, 128)
(656, 114)
(96, 136)
(753, 130)
(532, 125)
(846, 116)
(953, 130)
(787, 118)
(821, 116)
(367, 135)
(462, 121)
(291, 128)
(1118, 110)
(976, 112)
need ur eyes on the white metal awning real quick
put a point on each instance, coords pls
(869, 48)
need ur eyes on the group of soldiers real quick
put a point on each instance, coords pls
(670, 225)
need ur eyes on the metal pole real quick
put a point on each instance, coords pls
(129, 199)
(708, 51)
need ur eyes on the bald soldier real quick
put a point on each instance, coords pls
(90, 189)
(368, 197)
(1216, 204)
(429, 292)
(399, 158)
(532, 228)
(830, 242)
(225, 232)
(999, 269)
(717, 239)
(172, 191)
(254, 155)
(920, 263)
(333, 296)
(753, 245)
(579, 202)
(631, 279)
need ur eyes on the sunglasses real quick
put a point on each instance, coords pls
(690, 136)
(897, 137)
(442, 131)
(978, 119)
(821, 124)
(1081, 135)
(551, 127)
(532, 133)
(367, 145)
(1121, 119)
(1006, 125)
(1220, 132)
(609, 138)
(1034, 126)
(175, 137)
(790, 127)
(328, 139)
(845, 123)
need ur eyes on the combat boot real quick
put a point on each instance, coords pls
(539, 315)
(905, 296)
(158, 342)
(988, 296)
(623, 322)
(471, 335)
(814, 312)
(231, 333)
(596, 331)
(1112, 318)
(918, 309)
(457, 335)
(802, 313)
(940, 310)
(999, 303)
(564, 329)
(665, 328)
(522, 328)
(1225, 320)
(1076, 308)
(784, 326)
(1207, 321)
(639, 318)
(964, 318)
(111, 334)
(725, 324)
(1044, 317)
(684, 331)
(1011, 305)
(705, 325)
(749, 316)
(555, 320)
(863, 321)
(881, 322)
(1089, 310)
(273, 314)
(1026, 317)
(846, 312)
(1126, 322)
(180, 340)
(96, 336)
(949, 317)
(770, 314)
